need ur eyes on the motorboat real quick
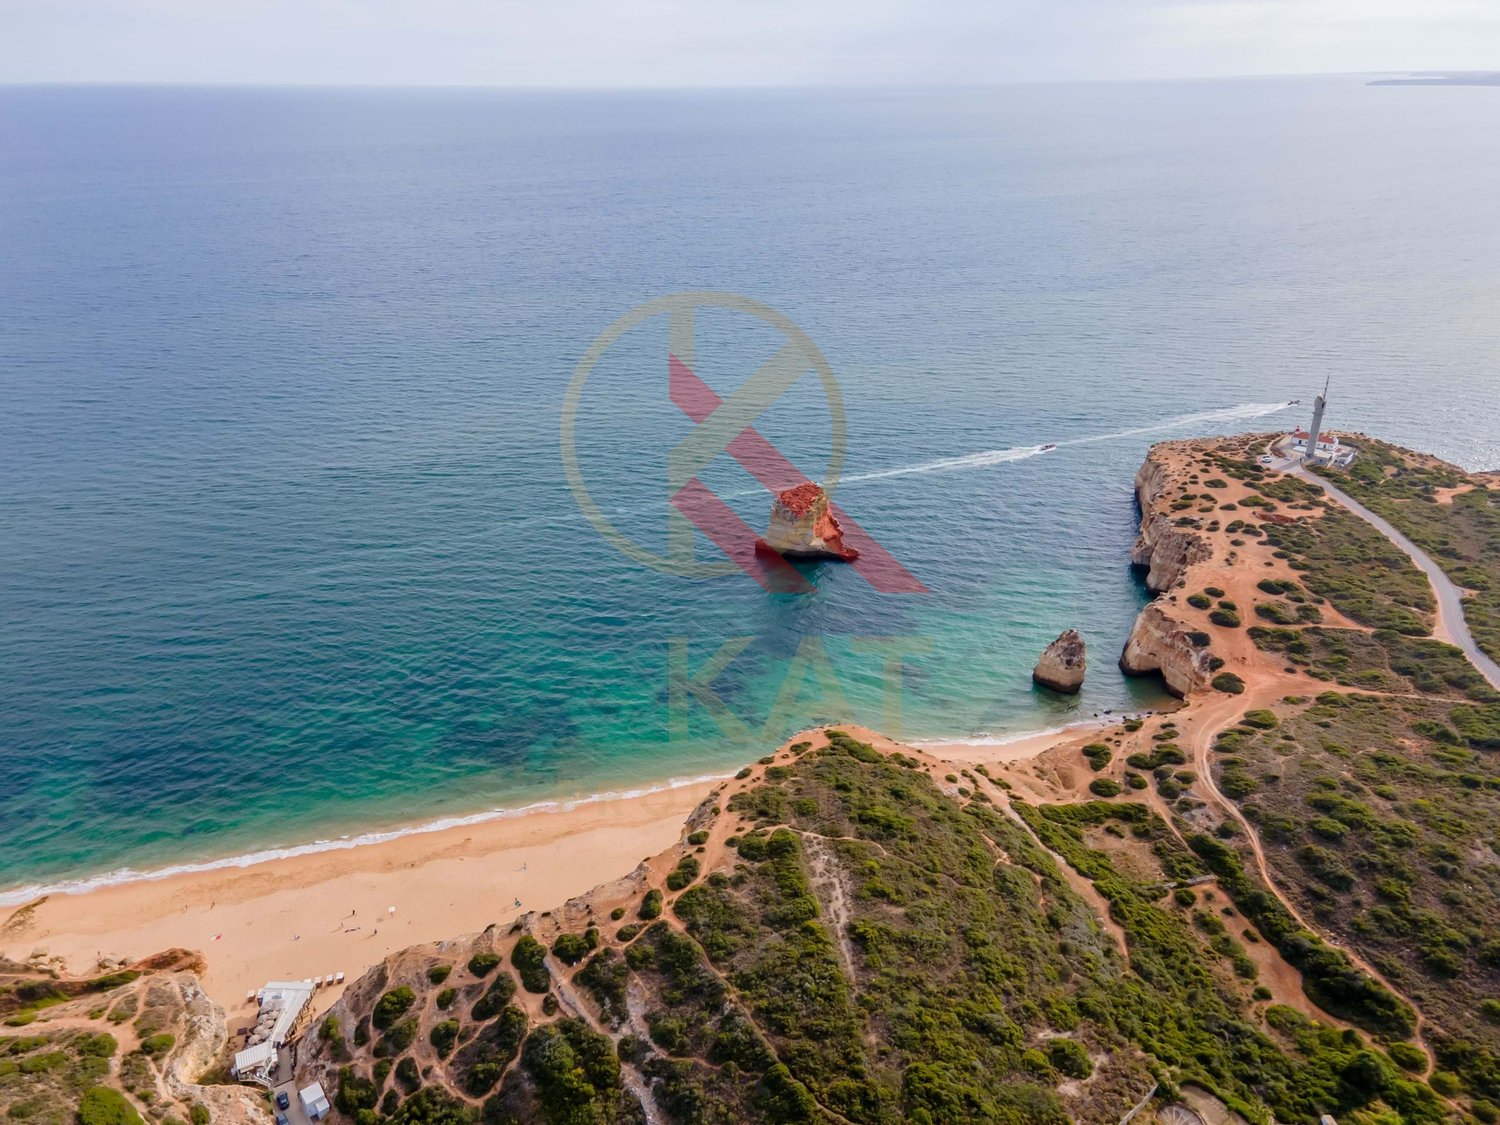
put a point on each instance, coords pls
(1048, 448)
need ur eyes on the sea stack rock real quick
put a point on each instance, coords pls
(1062, 664)
(802, 527)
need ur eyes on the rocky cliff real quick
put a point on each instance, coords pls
(1158, 641)
(1063, 663)
(803, 527)
(1163, 550)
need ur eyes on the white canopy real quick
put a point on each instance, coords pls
(253, 1058)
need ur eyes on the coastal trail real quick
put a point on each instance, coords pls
(1212, 719)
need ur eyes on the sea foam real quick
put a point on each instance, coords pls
(123, 875)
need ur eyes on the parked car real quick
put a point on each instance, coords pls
(1266, 460)
(281, 1119)
(282, 1100)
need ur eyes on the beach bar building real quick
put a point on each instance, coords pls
(283, 1011)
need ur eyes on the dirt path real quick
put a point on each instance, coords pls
(832, 892)
(1211, 720)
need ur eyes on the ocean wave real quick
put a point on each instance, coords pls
(30, 892)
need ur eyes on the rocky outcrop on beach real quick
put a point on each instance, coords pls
(1063, 663)
(1162, 549)
(803, 527)
(1159, 643)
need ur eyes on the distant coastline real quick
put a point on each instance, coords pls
(1442, 78)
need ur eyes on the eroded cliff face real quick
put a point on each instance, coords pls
(1164, 551)
(1159, 642)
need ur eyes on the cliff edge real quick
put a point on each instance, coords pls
(1159, 641)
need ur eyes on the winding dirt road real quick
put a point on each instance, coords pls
(1449, 625)
(1213, 719)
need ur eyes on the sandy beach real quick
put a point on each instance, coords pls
(329, 912)
(1018, 749)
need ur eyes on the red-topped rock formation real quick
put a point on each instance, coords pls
(803, 527)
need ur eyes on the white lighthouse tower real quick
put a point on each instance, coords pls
(1317, 423)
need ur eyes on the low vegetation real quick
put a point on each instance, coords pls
(1462, 534)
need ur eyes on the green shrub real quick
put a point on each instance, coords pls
(397, 1039)
(1213, 591)
(1104, 787)
(392, 1006)
(101, 1046)
(530, 959)
(1226, 618)
(1445, 1084)
(407, 1074)
(1199, 601)
(570, 948)
(617, 913)
(198, 1114)
(1098, 755)
(495, 998)
(446, 997)
(683, 874)
(104, 1106)
(1408, 1057)
(442, 1036)
(651, 904)
(483, 963)
(439, 973)
(1260, 719)
(697, 838)
(1229, 683)
(1276, 613)
(156, 1046)
(1069, 1058)
(330, 1031)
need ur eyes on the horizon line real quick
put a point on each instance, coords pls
(111, 83)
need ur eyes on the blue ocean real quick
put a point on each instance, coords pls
(289, 550)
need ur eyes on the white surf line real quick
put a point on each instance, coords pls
(985, 458)
(16, 896)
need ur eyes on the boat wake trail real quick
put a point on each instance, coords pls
(952, 464)
(1243, 412)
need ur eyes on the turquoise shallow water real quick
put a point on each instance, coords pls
(288, 548)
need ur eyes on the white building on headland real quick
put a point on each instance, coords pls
(1330, 450)
(284, 1007)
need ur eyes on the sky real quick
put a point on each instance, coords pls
(655, 43)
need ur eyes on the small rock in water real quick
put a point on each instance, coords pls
(1062, 664)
